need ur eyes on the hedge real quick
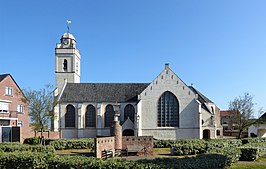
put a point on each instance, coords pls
(37, 140)
(62, 144)
(51, 161)
(24, 147)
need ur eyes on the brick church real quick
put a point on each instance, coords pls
(165, 108)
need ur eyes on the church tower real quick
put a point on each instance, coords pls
(67, 61)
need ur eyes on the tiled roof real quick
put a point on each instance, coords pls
(102, 92)
(201, 98)
(3, 76)
(224, 113)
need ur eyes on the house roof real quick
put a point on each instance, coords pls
(261, 120)
(224, 113)
(102, 92)
(3, 76)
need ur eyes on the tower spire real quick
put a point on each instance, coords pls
(68, 23)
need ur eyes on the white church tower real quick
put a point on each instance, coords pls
(67, 62)
(67, 70)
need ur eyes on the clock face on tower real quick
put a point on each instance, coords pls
(65, 41)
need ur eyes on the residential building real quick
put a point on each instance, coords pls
(14, 119)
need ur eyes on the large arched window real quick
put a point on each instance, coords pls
(129, 111)
(168, 110)
(65, 65)
(70, 116)
(90, 116)
(109, 115)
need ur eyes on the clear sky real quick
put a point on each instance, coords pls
(219, 46)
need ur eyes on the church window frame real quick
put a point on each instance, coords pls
(90, 116)
(168, 110)
(129, 111)
(70, 116)
(109, 115)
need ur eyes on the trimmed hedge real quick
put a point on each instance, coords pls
(37, 140)
(62, 144)
(51, 161)
(24, 147)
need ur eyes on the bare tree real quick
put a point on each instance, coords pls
(40, 107)
(244, 108)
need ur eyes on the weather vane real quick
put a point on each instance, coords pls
(68, 23)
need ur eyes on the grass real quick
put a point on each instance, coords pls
(259, 164)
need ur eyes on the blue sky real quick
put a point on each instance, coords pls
(219, 46)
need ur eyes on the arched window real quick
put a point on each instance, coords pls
(65, 65)
(108, 115)
(129, 111)
(70, 116)
(90, 116)
(168, 110)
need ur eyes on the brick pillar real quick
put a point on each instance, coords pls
(116, 131)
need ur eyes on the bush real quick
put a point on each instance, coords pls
(51, 161)
(24, 147)
(232, 154)
(62, 144)
(36, 141)
(23, 160)
(249, 154)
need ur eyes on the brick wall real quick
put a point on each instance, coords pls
(103, 143)
(16, 99)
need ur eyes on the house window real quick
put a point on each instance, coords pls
(20, 108)
(65, 65)
(108, 115)
(129, 112)
(4, 107)
(9, 91)
(168, 110)
(70, 116)
(90, 116)
(20, 123)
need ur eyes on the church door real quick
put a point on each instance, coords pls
(206, 134)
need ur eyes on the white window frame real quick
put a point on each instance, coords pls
(20, 108)
(4, 107)
(9, 91)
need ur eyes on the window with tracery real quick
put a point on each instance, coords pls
(109, 115)
(168, 110)
(129, 111)
(70, 116)
(90, 116)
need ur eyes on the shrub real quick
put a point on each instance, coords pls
(23, 160)
(249, 154)
(24, 147)
(36, 141)
(62, 144)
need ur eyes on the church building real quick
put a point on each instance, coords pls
(165, 108)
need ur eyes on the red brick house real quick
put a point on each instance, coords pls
(14, 119)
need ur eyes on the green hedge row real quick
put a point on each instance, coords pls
(37, 140)
(52, 161)
(170, 143)
(24, 147)
(62, 144)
